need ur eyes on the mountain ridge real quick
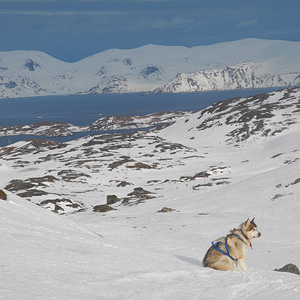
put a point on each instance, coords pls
(241, 76)
(144, 69)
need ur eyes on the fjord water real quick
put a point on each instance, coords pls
(85, 109)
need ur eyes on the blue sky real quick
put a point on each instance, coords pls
(71, 30)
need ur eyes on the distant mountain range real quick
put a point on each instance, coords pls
(248, 63)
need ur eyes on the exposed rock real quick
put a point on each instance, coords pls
(203, 185)
(111, 199)
(69, 175)
(17, 185)
(125, 201)
(3, 195)
(203, 174)
(123, 184)
(31, 65)
(135, 122)
(103, 208)
(38, 144)
(32, 193)
(222, 182)
(151, 71)
(56, 205)
(165, 210)
(32, 146)
(296, 181)
(139, 195)
(118, 163)
(46, 178)
(139, 192)
(289, 268)
(250, 117)
(44, 128)
(168, 146)
(140, 166)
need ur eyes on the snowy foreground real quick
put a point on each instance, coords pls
(136, 252)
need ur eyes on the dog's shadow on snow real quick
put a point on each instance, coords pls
(190, 260)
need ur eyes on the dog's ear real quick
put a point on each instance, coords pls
(247, 223)
(252, 221)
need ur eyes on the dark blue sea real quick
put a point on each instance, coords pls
(85, 109)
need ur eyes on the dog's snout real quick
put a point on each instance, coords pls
(259, 234)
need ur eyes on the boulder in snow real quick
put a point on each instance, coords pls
(290, 268)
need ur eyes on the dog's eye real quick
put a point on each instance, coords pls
(254, 229)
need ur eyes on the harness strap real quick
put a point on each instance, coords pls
(241, 238)
(223, 252)
(216, 246)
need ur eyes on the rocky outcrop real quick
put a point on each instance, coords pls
(166, 209)
(55, 129)
(135, 122)
(60, 205)
(252, 117)
(44, 128)
(102, 208)
(289, 268)
(112, 199)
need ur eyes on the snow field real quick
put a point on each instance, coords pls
(148, 255)
(136, 252)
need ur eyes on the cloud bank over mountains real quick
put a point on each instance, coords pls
(72, 30)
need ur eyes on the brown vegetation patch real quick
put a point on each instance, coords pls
(3, 195)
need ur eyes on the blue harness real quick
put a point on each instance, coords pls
(216, 246)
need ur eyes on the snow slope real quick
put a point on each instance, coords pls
(46, 256)
(144, 69)
(214, 168)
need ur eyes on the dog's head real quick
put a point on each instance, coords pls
(249, 228)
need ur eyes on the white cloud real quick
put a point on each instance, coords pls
(248, 23)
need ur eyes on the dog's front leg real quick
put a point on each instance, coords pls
(243, 264)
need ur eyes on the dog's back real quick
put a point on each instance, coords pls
(217, 260)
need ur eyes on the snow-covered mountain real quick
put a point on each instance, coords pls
(250, 75)
(241, 64)
(211, 170)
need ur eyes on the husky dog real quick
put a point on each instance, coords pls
(226, 252)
